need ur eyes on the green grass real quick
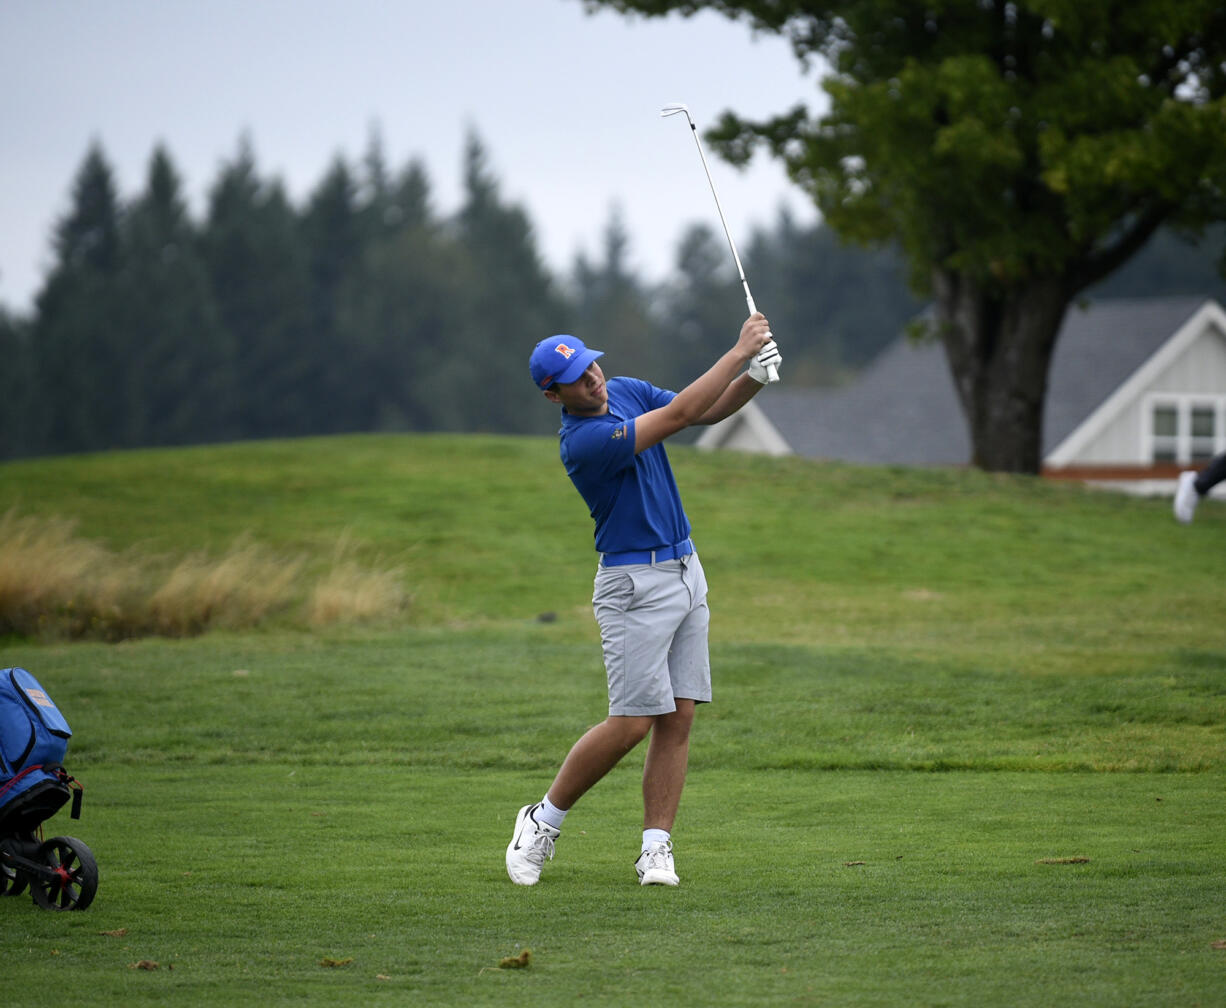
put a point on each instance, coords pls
(931, 689)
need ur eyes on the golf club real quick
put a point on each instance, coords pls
(771, 372)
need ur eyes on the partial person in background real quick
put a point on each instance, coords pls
(1193, 486)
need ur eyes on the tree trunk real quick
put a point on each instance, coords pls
(998, 344)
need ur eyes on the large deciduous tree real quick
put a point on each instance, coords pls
(1017, 152)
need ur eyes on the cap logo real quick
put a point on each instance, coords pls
(565, 351)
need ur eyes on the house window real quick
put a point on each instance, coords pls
(1204, 433)
(1187, 431)
(1166, 432)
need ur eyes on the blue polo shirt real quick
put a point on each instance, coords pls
(632, 498)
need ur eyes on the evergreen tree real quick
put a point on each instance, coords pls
(366, 312)
(179, 360)
(614, 312)
(254, 259)
(379, 194)
(1172, 263)
(77, 360)
(17, 393)
(400, 315)
(335, 239)
(834, 306)
(511, 303)
(703, 306)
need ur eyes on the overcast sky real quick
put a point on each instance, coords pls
(566, 103)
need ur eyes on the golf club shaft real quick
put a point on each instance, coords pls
(771, 372)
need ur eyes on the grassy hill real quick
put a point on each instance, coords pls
(490, 530)
(266, 800)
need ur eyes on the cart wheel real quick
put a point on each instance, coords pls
(75, 875)
(12, 882)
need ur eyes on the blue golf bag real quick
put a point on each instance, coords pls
(33, 741)
(34, 786)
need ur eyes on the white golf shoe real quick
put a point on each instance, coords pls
(1186, 497)
(655, 865)
(530, 847)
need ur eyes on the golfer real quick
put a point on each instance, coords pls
(650, 595)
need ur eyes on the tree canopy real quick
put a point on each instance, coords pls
(365, 309)
(362, 309)
(1017, 153)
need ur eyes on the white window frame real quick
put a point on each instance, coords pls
(1183, 404)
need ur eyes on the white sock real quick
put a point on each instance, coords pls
(547, 812)
(655, 836)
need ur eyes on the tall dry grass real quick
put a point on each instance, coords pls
(55, 584)
(242, 588)
(349, 593)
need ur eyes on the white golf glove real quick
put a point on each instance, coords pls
(769, 355)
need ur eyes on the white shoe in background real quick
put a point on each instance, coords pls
(1186, 497)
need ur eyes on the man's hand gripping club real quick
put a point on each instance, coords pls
(764, 368)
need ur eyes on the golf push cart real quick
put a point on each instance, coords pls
(61, 873)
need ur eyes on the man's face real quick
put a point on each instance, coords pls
(586, 396)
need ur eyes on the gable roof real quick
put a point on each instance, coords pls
(903, 408)
(1182, 320)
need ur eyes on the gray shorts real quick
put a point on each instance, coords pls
(653, 622)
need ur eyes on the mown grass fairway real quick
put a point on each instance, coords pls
(968, 745)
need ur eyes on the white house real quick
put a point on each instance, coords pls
(1136, 393)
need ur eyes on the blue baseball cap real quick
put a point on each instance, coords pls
(560, 359)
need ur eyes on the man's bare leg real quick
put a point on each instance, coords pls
(599, 750)
(665, 768)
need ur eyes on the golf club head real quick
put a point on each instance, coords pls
(676, 107)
